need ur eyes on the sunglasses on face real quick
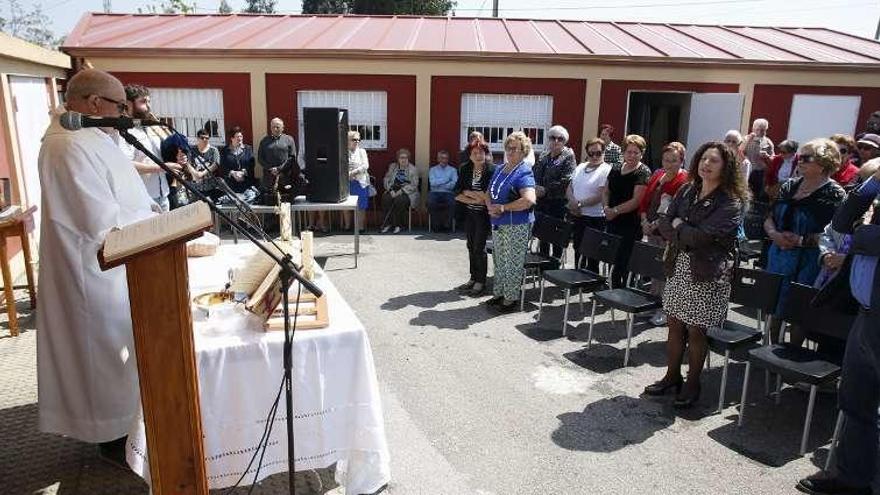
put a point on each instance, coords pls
(865, 147)
(512, 149)
(594, 154)
(558, 139)
(355, 140)
(807, 159)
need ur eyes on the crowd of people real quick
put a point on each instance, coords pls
(820, 224)
(814, 197)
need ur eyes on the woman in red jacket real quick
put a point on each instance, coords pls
(659, 192)
(847, 175)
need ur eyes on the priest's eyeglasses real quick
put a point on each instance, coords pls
(120, 105)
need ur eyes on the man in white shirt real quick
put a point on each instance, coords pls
(88, 383)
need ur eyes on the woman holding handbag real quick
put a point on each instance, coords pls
(798, 217)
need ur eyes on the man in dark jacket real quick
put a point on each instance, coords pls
(553, 171)
(859, 392)
(277, 156)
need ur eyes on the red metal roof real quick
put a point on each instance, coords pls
(459, 36)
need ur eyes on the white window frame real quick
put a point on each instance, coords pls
(498, 115)
(190, 109)
(367, 113)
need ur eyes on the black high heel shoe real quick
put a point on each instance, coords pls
(687, 400)
(661, 387)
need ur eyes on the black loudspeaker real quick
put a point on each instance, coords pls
(326, 154)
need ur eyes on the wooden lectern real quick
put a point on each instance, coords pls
(158, 289)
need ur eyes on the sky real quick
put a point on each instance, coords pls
(859, 17)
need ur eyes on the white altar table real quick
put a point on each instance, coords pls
(338, 412)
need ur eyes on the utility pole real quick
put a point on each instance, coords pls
(495, 11)
(107, 7)
(877, 33)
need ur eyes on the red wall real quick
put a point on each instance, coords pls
(281, 101)
(236, 92)
(615, 97)
(773, 102)
(446, 91)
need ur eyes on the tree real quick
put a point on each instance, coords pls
(325, 6)
(224, 8)
(260, 7)
(172, 7)
(379, 7)
(32, 26)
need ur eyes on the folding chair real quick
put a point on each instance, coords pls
(751, 248)
(755, 289)
(551, 230)
(799, 364)
(594, 244)
(646, 260)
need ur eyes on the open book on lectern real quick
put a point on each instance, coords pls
(181, 224)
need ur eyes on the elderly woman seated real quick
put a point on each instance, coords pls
(401, 192)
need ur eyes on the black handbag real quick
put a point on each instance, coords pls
(837, 294)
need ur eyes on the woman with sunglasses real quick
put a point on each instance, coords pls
(552, 174)
(358, 179)
(847, 175)
(206, 157)
(782, 166)
(585, 195)
(798, 217)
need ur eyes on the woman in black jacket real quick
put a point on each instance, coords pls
(473, 182)
(701, 227)
(237, 166)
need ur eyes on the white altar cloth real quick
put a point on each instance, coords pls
(337, 408)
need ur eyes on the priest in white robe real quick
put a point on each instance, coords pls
(88, 383)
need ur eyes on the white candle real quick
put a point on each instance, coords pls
(284, 220)
(308, 262)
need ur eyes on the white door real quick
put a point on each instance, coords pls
(31, 105)
(815, 116)
(711, 116)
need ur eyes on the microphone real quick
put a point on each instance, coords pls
(74, 121)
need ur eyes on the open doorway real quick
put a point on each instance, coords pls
(659, 117)
(689, 118)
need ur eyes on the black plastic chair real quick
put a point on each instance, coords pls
(646, 260)
(799, 364)
(594, 244)
(754, 289)
(752, 247)
(551, 230)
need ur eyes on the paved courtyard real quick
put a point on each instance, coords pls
(477, 403)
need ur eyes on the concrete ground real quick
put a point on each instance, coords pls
(478, 403)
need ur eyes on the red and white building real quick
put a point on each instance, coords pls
(422, 82)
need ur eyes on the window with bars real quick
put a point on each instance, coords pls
(498, 115)
(189, 110)
(367, 113)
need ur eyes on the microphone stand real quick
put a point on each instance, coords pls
(289, 273)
